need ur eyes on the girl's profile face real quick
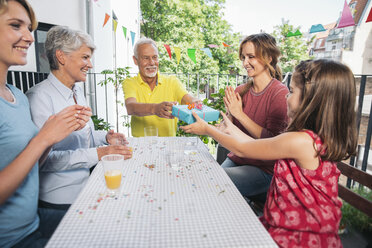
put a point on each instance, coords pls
(15, 35)
(253, 65)
(293, 98)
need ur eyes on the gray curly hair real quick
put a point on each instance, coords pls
(67, 40)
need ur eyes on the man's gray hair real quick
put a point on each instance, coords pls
(142, 41)
(67, 40)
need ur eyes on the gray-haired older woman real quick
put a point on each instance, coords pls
(66, 169)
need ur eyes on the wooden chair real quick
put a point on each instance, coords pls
(349, 196)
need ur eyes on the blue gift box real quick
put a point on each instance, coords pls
(184, 114)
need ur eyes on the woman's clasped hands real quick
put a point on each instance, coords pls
(60, 125)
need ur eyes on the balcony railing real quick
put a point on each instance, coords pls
(202, 85)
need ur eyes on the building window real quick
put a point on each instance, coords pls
(42, 64)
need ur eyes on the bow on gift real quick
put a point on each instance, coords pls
(195, 105)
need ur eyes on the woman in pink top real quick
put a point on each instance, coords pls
(259, 109)
(302, 208)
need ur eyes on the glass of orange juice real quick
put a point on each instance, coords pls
(112, 167)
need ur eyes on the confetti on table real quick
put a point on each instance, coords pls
(148, 213)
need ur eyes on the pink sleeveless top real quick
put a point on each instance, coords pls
(302, 207)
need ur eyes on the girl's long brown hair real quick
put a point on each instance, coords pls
(327, 106)
(266, 51)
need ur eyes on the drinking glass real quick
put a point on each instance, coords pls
(152, 133)
(112, 167)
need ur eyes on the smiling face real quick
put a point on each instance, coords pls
(76, 64)
(15, 35)
(147, 61)
(294, 98)
(254, 66)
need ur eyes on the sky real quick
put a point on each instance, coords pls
(252, 16)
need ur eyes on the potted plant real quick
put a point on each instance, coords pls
(116, 77)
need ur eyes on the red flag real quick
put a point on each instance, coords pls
(225, 45)
(107, 17)
(168, 50)
(369, 18)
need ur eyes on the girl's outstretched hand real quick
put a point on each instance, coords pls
(199, 127)
(228, 127)
(59, 126)
(233, 102)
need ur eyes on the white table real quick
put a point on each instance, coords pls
(196, 205)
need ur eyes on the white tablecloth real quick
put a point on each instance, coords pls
(195, 205)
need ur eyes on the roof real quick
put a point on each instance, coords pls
(359, 8)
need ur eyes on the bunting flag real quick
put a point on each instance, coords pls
(346, 19)
(115, 23)
(212, 46)
(191, 53)
(107, 17)
(225, 45)
(125, 31)
(369, 18)
(297, 33)
(177, 51)
(207, 51)
(168, 50)
(317, 28)
(133, 35)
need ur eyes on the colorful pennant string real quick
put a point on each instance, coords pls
(369, 18)
(124, 31)
(107, 17)
(133, 35)
(346, 19)
(115, 23)
(191, 53)
(297, 33)
(317, 28)
(177, 51)
(168, 50)
(225, 45)
(212, 46)
(207, 51)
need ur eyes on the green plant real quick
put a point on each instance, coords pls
(126, 122)
(355, 218)
(100, 124)
(115, 77)
(216, 102)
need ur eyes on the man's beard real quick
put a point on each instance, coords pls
(153, 74)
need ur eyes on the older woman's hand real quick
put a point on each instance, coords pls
(115, 149)
(83, 116)
(116, 138)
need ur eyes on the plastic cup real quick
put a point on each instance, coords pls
(112, 167)
(151, 132)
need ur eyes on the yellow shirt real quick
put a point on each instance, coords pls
(169, 88)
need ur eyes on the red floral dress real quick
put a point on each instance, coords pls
(302, 207)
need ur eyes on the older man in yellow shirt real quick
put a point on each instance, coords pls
(149, 96)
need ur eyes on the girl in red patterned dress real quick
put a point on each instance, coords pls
(302, 207)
